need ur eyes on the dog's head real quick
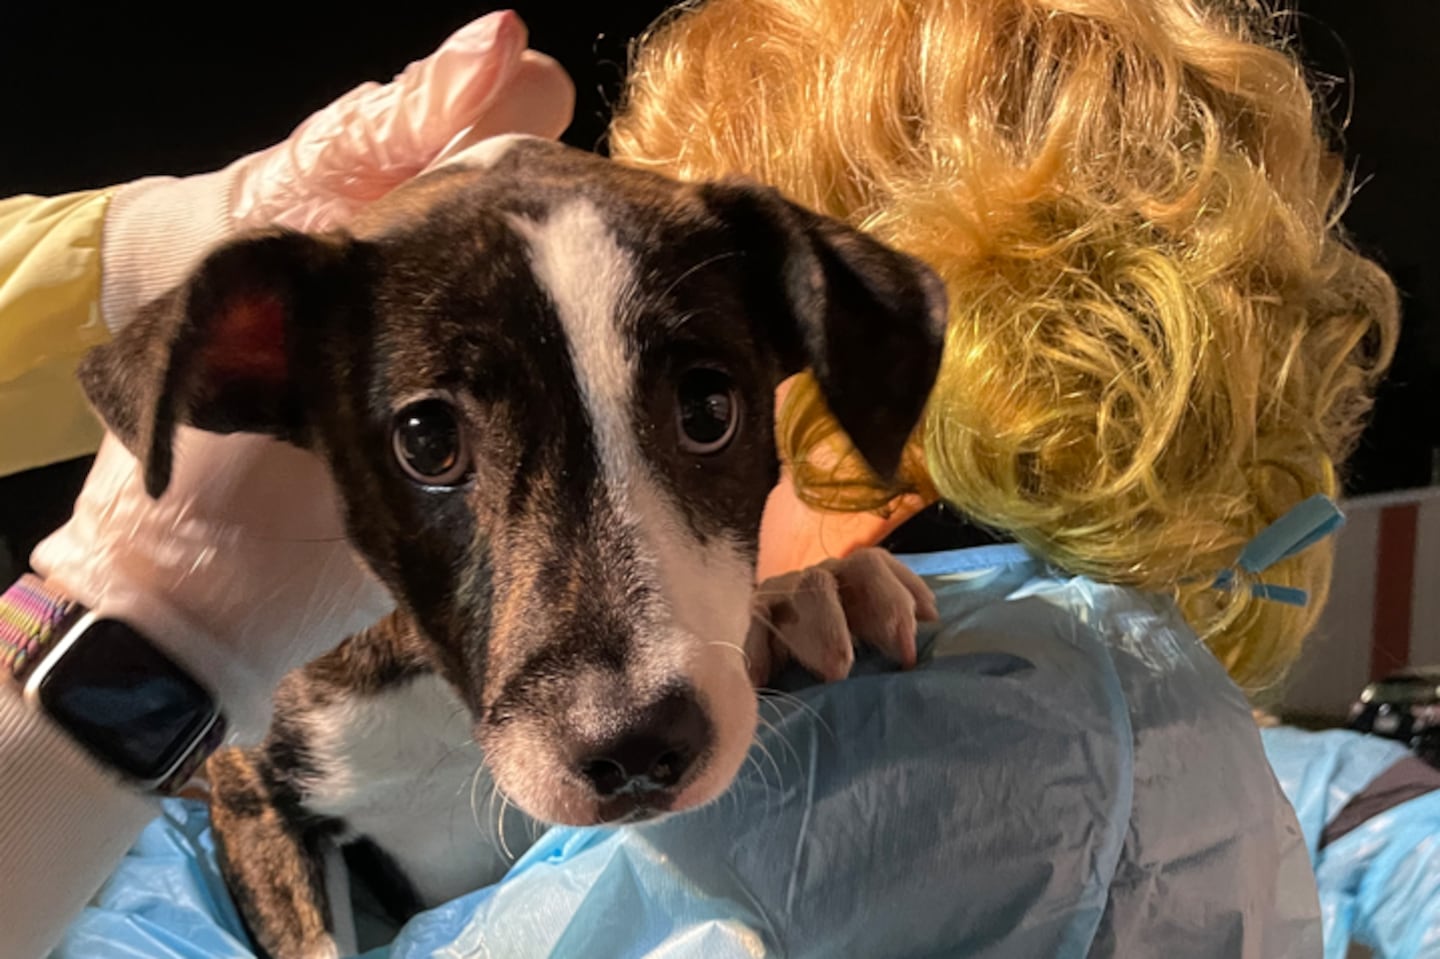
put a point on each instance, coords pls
(544, 386)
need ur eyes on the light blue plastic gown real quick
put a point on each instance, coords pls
(1068, 772)
(1379, 884)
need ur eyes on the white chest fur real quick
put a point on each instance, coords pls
(400, 767)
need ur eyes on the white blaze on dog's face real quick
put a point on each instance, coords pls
(544, 386)
(689, 631)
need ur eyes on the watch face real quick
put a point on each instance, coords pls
(126, 701)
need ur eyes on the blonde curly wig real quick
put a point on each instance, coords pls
(1159, 340)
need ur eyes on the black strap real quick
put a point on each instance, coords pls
(1407, 779)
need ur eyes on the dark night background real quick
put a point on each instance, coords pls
(104, 95)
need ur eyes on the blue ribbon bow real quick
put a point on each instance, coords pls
(1302, 526)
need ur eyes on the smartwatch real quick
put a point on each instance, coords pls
(117, 695)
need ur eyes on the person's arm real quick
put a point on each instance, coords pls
(64, 821)
(49, 316)
(64, 824)
(201, 571)
(73, 269)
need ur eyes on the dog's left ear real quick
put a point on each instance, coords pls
(218, 352)
(868, 320)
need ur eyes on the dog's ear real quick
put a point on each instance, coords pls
(868, 320)
(217, 352)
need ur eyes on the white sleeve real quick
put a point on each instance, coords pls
(64, 824)
(156, 231)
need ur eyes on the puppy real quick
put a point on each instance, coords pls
(544, 386)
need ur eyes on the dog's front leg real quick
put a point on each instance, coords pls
(273, 865)
(815, 615)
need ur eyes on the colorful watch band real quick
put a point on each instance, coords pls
(32, 618)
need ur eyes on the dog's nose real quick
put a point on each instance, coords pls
(653, 753)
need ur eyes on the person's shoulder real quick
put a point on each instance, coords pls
(1206, 821)
(1135, 646)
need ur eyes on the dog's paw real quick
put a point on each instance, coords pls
(815, 615)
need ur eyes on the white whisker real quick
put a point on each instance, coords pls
(764, 780)
(500, 825)
(799, 703)
(791, 751)
(779, 774)
(735, 646)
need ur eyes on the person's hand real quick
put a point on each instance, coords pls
(241, 570)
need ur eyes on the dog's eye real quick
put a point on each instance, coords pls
(708, 408)
(429, 444)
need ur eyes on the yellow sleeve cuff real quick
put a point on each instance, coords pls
(49, 317)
